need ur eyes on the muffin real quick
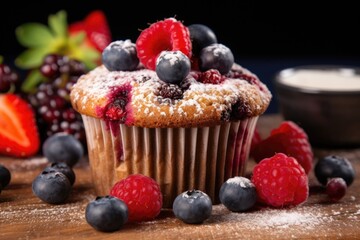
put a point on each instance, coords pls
(184, 116)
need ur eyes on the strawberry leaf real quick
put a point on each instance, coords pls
(77, 38)
(58, 24)
(31, 81)
(88, 55)
(32, 57)
(33, 35)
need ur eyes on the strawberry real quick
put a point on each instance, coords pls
(290, 139)
(96, 27)
(19, 135)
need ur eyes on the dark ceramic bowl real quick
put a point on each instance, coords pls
(324, 101)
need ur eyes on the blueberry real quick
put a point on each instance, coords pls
(63, 147)
(5, 176)
(120, 56)
(172, 66)
(52, 187)
(106, 214)
(192, 206)
(334, 166)
(238, 194)
(216, 56)
(201, 36)
(64, 168)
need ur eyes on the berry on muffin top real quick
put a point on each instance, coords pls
(159, 82)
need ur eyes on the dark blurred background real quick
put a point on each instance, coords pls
(264, 37)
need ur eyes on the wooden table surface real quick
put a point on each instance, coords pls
(24, 216)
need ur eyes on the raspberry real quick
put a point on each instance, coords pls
(212, 76)
(169, 35)
(280, 181)
(141, 194)
(290, 139)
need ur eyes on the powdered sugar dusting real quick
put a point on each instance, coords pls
(218, 49)
(242, 181)
(202, 101)
(306, 217)
(172, 56)
(301, 222)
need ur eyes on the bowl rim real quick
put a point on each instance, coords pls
(286, 71)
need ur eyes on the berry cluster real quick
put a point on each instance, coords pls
(336, 173)
(54, 184)
(51, 99)
(9, 79)
(133, 199)
(333, 172)
(172, 50)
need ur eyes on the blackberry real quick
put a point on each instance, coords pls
(239, 110)
(55, 65)
(51, 100)
(168, 92)
(9, 79)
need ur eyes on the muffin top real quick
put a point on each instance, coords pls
(196, 83)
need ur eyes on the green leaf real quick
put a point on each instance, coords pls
(31, 58)
(33, 35)
(89, 56)
(1, 59)
(32, 80)
(77, 38)
(58, 24)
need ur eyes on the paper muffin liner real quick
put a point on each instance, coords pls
(179, 159)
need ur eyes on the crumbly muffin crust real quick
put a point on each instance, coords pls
(149, 102)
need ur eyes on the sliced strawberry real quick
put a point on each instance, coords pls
(18, 130)
(96, 27)
(169, 34)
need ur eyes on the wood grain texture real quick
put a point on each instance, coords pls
(24, 216)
